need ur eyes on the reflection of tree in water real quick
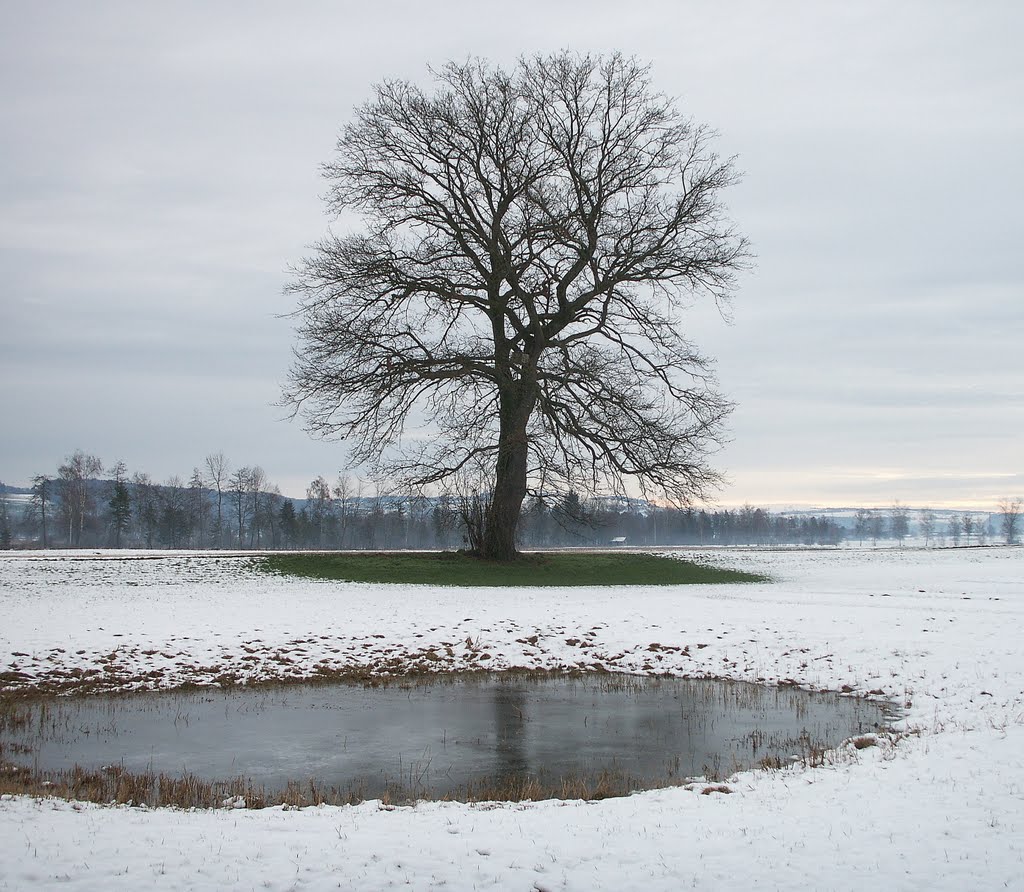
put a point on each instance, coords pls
(510, 730)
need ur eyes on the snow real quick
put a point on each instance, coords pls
(940, 808)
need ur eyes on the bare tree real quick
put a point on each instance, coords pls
(318, 499)
(967, 525)
(531, 239)
(238, 489)
(257, 480)
(876, 526)
(926, 524)
(899, 522)
(76, 496)
(1009, 519)
(419, 515)
(217, 470)
(343, 501)
(861, 523)
(472, 503)
(955, 528)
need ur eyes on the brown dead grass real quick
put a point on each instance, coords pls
(115, 785)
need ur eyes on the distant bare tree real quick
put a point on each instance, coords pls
(532, 239)
(876, 526)
(955, 528)
(1009, 519)
(318, 498)
(343, 503)
(899, 522)
(926, 524)
(217, 470)
(967, 524)
(861, 522)
(76, 496)
(238, 490)
(257, 481)
(419, 515)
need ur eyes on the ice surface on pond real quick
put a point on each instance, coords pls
(434, 737)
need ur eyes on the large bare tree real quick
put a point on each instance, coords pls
(530, 238)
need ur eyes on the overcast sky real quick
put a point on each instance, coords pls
(159, 173)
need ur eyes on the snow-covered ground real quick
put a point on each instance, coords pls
(938, 631)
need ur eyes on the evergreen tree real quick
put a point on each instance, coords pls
(42, 496)
(6, 534)
(198, 508)
(119, 503)
(147, 515)
(287, 523)
(174, 525)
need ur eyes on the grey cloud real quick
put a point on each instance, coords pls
(159, 172)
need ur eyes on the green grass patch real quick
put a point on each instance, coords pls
(459, 568)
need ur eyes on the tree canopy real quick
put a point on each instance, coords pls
(529, 239)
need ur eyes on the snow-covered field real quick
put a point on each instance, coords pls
(939, 631)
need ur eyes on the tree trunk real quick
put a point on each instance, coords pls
(499, 543)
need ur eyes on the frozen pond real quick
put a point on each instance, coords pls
(443, 735)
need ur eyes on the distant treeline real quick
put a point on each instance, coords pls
(224, 507)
